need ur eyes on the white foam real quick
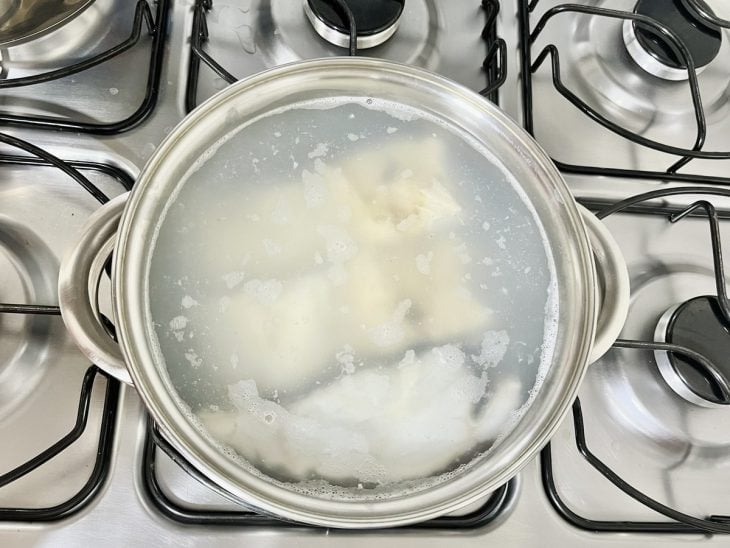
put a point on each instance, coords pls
(178, 323)
(323, 489)
(346, 359)
(315, 189)
(194, 360)
(423, 262)
(320, 150)
(493, 349)
(384, 427)
(188, 302)
(264, 291)
(450, 355)
(232, 279)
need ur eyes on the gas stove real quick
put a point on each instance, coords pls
(630, 98)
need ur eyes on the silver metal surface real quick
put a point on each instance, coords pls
(333, 36)
(109, 92)
(123, 516)
(23, 20)
(647, 61)
(28, 272)
(709, 8)
(674, 450)
(77, 289)
(521, 158)
(41, 212)
(248, 37)
(596, 66)
(679, 452)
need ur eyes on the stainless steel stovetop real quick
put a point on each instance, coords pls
(110, 483)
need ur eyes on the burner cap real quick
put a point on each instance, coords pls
(375, 20)
(655, 55)
(699, 325)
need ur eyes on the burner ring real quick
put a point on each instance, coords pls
(653, 53)
(375, 21)
(698, 324)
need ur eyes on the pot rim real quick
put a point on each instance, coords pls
(553, 398)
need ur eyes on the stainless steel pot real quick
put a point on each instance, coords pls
(23, 20)
(592, 283)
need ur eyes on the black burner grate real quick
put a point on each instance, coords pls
(682, 523)
(102, 463)
(529, 34)
(156, 27)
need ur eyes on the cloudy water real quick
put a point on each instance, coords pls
(352, 292)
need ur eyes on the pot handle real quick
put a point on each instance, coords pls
(612, 287)
(77, 289)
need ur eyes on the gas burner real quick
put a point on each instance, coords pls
(23, 20)
(697, 324)
(375, 20)
(655, 55)
(28, 267)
